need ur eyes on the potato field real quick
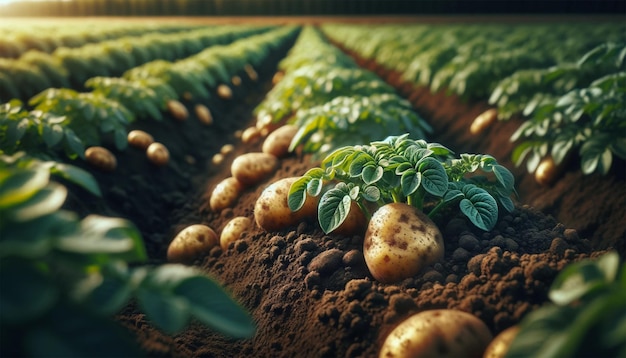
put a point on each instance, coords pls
(313, 187)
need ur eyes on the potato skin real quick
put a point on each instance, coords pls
(277, 143)
(158, 154)
(400, 241)
(251, 168)
(225, 194)
(224, 92)
(204, 114)
(139, 139)
(483, 121)
(233, 230)
(499, 346)
(101, 158)
(250, 135)
(437, 333)
(547, 171)
(178, 110)
(191, 243)
(271, 211)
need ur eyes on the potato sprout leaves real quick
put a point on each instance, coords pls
(399, 169)
(70, 275)
(587, 306)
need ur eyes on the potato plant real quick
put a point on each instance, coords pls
(54, 264)
(399, 169)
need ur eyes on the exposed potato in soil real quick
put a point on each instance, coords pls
(158, 154)
(225, 194)
(483, 121)
(236, 81)
(401, 241)
(272, 212)
(101, 158)
(178, 110)
(437, 333)
(500, 344)
(251, 168)
(277, 143)
(139, 139)
(250, 135)
(233, 230)
(227, 149)
(224, 92)
(204, 114)
(191, 243)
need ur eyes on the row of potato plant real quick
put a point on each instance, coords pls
(70, 67)
(568, 80)
(333, 101)
(19, 38)
(55, 264)
(69, 121)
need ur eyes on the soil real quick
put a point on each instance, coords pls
(311, 294)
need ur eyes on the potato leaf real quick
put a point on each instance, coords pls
(334, 207)
(479, 206)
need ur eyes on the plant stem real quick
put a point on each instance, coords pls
(437, 208)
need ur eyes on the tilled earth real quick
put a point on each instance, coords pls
(310, 293)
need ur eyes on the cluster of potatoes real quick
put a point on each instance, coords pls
(247, 170)
(104, 159)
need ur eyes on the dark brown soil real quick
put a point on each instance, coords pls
(311, 294)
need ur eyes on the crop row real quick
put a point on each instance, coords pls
(67, 120)
(333, 101)
(568, 80)
(54, 264)
(18, 39)
(70, 67)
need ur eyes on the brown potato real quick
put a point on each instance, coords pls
(101, 158)
(400, 241)
(178, 110)
(278, 142)
(225, 194)
(483, 121)
(499, 346)
(139, 139)
(236, 81)
(191, 243)
(547, 171)
(251, 72)
(437, 333)
(251, 168)
(204, 114)
(271, 211)
(227, 149)
(217, 159)
(158, 154)
(250, 135)
(233, 230)
(224, 92)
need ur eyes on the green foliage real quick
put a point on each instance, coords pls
(587, 315)
(399, 169)
(37, 132)
(145, 98)
(90, 115)
(61, 275)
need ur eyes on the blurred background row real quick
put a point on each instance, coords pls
(302, 7)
